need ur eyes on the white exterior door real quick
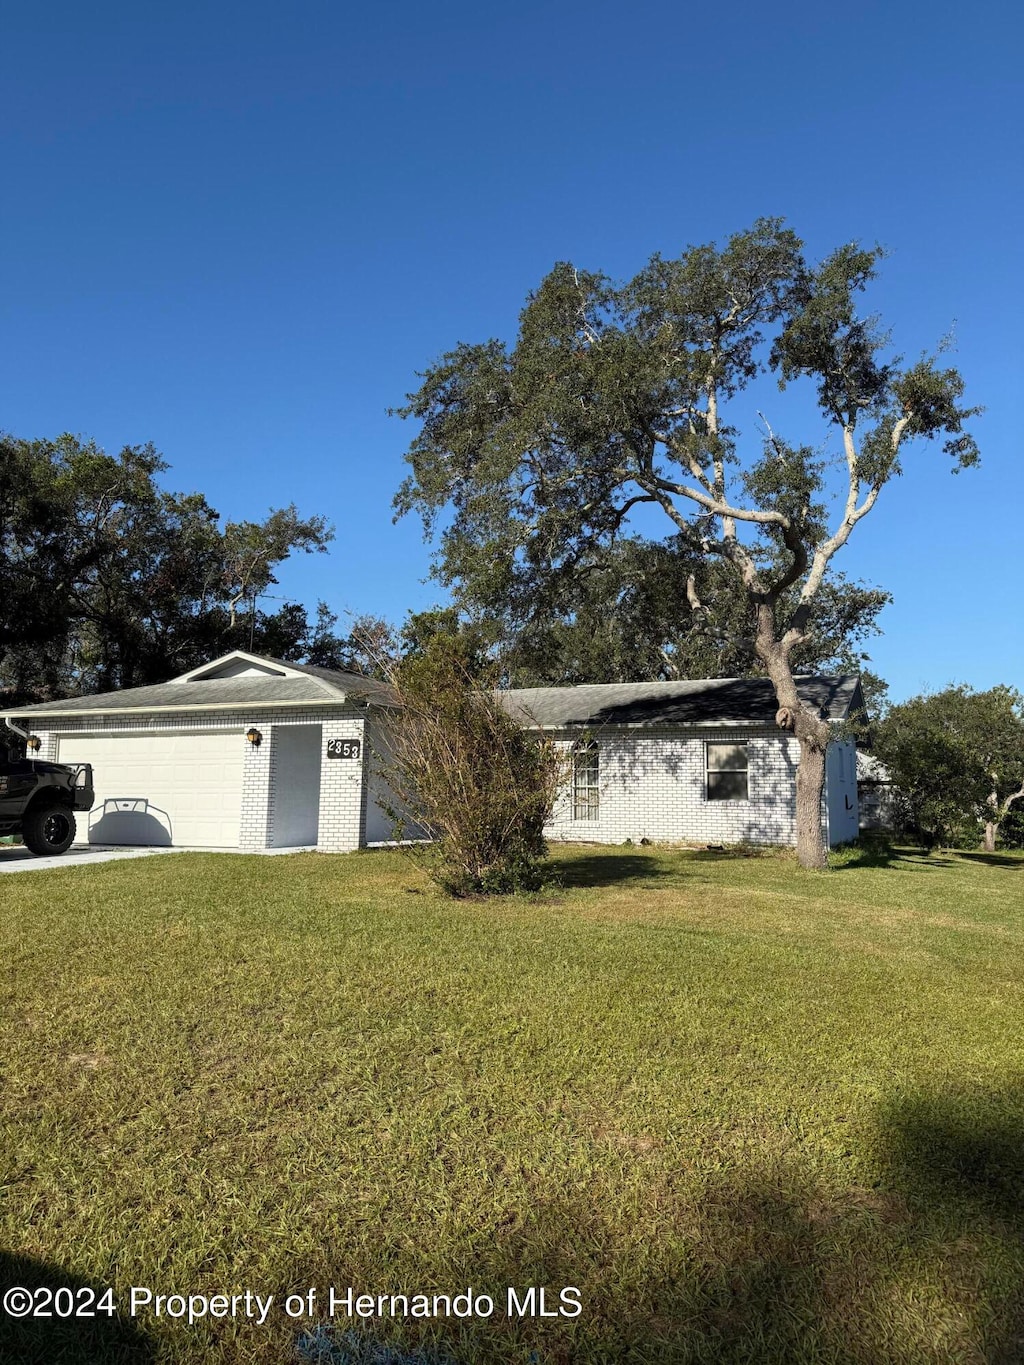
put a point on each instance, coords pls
(182, 787)
(296, 785)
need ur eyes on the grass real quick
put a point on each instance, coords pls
(754, 1114)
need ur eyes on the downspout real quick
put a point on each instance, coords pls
(13, 725)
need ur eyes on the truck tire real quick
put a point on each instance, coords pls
(48, 830)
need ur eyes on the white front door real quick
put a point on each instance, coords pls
(295, 799)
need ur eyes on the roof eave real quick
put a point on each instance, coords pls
(675, 724)
(339, 699)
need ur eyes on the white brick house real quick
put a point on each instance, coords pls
(252, 753)
(699, 760)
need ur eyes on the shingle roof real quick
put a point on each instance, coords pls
(316, 689)
(694, 701)
(350, 683)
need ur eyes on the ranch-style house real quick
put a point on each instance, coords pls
(251, 753)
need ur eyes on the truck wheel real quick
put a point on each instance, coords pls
(48, 829)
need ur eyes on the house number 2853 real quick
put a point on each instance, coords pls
(343, 748)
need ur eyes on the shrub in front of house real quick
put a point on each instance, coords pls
(480, 785)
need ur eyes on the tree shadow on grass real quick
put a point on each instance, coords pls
(747, 1288)
(994, 859)
(759, 1263)
(100, 1340)
(719, 853)
(880, 854)
(748, 1276)
(767, 1266)
(608, 869)
(959, 1158)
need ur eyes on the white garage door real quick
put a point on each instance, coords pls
(175, 788)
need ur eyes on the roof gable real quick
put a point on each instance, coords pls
(239, 664)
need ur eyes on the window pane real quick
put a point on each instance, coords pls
(727, 786)
(586, 799)
(727, 756)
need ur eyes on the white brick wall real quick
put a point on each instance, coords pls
(255, 826)
(342, 813)
(653, 785)
(343, 788)
(652, 782)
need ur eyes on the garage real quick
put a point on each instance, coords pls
(181, 788)
(245, 752)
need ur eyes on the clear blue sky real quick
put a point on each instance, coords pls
(238, 230)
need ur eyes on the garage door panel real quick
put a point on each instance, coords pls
(177, 788)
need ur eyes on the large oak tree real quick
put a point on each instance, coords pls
(638, 610)
(109, 581)
(616, 396)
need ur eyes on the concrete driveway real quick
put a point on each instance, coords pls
(17, 859)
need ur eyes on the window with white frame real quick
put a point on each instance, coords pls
(727, 771)
(586, 795)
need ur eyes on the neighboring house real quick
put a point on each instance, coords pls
(877, 797)
(252, 753)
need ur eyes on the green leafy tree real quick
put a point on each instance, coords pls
(957, 758)
(250, 550)
(640, 610)
(614, 396)
(474, 641)
(110, 581)
(368, 648)
(1011, 831)
(289, 634)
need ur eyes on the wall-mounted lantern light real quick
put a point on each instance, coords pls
(34, 743)
(254, 737)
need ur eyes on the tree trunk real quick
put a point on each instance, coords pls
(811, 729)
(810, 784)
(990, 836)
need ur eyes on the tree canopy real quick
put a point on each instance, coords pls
(532, 459)
(632, 614)
(957, 758)
(110, 581)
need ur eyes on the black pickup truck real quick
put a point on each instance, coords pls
(38, 800)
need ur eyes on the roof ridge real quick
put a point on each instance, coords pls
(320, 670)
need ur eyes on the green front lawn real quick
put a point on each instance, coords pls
(754, 1114)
